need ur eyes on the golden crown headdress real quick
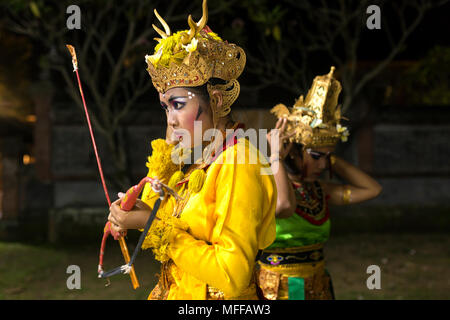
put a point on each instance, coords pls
(315, 120)
(189, 58)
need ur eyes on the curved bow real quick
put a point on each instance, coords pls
(107, 229)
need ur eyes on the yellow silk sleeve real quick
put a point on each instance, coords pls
(236, 207)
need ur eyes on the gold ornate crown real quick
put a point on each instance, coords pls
(189, 58)
(315, 120)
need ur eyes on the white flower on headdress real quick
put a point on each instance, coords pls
(192, 46)
(343, 131)
(316, 122)
(153, 59)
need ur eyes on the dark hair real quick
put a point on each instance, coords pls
(289, 163)
(202, 90)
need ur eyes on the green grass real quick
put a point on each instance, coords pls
(21, 266)
(413, 266)
(39, 272)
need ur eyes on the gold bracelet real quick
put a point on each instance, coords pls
(346, 196)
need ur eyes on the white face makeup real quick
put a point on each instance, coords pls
(183, 108)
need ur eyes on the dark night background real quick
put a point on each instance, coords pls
(52, 205)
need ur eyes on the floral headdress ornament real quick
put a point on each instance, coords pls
(190, 58)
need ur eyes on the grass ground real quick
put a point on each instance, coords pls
(413, 266)
(39, 272)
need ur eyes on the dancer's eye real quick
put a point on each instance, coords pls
(178, 105)
(316, 155)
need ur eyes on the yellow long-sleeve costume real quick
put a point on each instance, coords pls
(208, 239)
(210, 251)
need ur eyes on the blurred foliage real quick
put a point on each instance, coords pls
(287, 42)
(34, 8)
(428, 81)
(267, 18)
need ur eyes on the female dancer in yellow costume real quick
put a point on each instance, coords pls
(293, 267)
(208, 238)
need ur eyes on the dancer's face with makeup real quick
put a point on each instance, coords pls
(184, 106)
(313, 161)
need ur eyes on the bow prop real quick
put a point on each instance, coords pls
(127, 203)
(107, 229)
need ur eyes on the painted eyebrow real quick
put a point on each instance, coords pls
(175, 97)
(319, 152)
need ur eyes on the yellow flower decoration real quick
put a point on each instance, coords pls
(154, 59)
(196, 180)
(214, 36)
(170, 49)
(160, 164)
(176, 177)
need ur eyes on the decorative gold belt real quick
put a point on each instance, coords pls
(295, 255)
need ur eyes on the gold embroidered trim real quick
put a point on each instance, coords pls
(302, 270)
(247, 294)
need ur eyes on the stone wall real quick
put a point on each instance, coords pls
(404, 149)
(410, 159)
